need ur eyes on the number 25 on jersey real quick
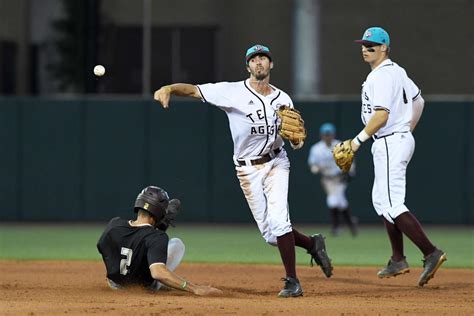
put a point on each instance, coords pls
(366, 108)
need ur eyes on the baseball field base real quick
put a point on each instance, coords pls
(78, 287)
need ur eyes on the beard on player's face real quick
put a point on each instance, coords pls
(260, 75)
(259, 67)
(259, 72)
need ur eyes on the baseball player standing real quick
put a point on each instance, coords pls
(261, 162)
(391, 107)
(333, 180)
(139, 252)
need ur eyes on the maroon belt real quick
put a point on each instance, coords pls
(261, 160)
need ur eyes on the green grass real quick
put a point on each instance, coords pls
(236, 244)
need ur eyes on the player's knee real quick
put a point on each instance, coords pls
(388, 218)
(269, 239)
(175, 253)
(176, 242)
(276, 227)
(272, 241)
(176, 245)
(397, 210)
(279, 227)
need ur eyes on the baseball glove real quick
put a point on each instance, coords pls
(292, 125)
(171, 213)
(343, 155)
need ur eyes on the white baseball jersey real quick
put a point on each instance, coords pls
(252, 118)
(254, 126)
(321, 156)
(388, 87)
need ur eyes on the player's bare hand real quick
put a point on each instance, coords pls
(163, 96)
(354, 146)
(205, 290)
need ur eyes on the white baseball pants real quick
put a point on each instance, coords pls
(391, 156)
(335, 190)
(265, 187)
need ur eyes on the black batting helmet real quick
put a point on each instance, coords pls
(154, 200)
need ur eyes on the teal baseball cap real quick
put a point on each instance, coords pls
(257, 49)
(375, 35)
(327, 129)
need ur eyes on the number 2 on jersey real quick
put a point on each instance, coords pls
(125, 263)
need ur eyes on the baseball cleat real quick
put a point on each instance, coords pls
(320, 256)
(292, 288)
(113, 285)
(394, 268)
(431, 264)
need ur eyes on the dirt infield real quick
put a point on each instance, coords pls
(72, 287)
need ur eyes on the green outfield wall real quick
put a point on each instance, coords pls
(86, 160)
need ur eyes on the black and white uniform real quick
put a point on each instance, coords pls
(254, 127)
(388, 87)
(129, 251)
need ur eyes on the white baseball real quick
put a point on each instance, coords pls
(99, 70)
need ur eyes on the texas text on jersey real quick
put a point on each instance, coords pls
(252, 118)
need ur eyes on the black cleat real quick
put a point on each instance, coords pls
(431, 264)
(394, 268)
(292, 288)
(320, 256)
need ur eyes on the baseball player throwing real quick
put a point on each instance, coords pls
(333, 180)
(391, 107)
(260, 159)
(138, 252)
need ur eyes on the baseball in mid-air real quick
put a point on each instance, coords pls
(99, 70)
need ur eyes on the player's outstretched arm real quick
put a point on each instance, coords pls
(161, 273)
(163, 94)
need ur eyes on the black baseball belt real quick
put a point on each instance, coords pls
(261, 160)
(379, 137)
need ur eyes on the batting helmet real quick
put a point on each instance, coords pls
(154, 200)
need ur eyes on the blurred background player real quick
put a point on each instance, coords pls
(333, 180)
(139, 252)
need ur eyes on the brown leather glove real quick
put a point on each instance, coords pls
(343, 155)
(292, 126)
